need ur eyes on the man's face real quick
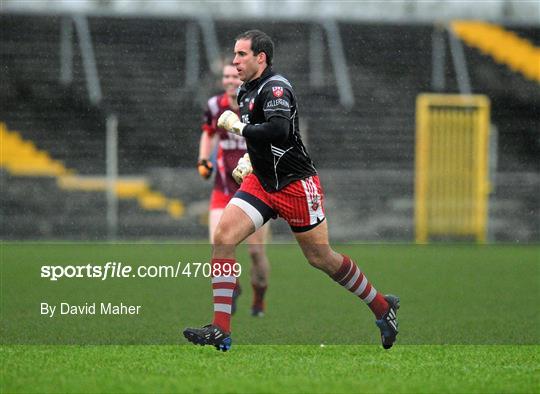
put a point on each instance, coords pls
(230, 80)
(247, 63)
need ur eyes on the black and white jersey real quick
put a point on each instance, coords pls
(276, 164)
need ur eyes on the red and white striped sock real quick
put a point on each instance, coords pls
(350, 277)
(223, 288)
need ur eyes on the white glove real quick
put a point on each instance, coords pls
(243, 169)
(231, 122)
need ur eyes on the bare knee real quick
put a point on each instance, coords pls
(223, 247)
(324, 259)
(318, 258)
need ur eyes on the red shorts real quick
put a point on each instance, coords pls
(219, 200)
(300, 203)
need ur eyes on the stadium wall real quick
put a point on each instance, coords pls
(365, 154)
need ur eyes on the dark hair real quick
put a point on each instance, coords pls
(260, 42)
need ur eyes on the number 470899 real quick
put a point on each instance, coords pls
(207, 270)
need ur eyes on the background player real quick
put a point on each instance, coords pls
(284, 182)
(230, 148)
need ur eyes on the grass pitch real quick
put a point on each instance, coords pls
(468, 324)
(271, 368)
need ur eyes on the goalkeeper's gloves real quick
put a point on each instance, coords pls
(205, 168)
(243, 169)
(231, 122)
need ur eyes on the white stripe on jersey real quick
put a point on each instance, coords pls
(276, 149)
(276, 77)
(213, 105)
(277, 154)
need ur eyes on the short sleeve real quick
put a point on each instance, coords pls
(208, 122)
(277, 102)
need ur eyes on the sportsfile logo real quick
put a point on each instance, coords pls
(119, 270)
(109, 270)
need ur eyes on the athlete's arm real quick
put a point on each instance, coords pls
(276, 104)
(206, 147)
(275, 130)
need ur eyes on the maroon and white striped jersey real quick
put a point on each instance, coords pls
(231, 147)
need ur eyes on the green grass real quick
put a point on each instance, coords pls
(276, 368)
(468, 323)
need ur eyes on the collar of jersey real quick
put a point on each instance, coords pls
(266, 74)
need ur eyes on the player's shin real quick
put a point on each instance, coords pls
(354, 280)
(257, 307)
(223, 285)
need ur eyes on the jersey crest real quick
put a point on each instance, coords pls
(277, 91)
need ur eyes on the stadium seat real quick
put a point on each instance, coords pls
(504, 46)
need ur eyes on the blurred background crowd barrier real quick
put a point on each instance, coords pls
(101, 107)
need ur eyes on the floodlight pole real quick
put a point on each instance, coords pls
(460, 64)
(112, 176)
(438, 59)
(339, 63)
(66, 51)
(88, 59)
(316, 56)
(192, 58)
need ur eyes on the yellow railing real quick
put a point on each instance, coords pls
(21, 157)
(136, 188)
(451, 176)
(504, 46)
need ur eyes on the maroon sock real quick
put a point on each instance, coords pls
(258, 296)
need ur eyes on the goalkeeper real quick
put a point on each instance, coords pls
(284, 182)
(230, 148)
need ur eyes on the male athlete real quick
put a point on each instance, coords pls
(283, 182)
(231, 149)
